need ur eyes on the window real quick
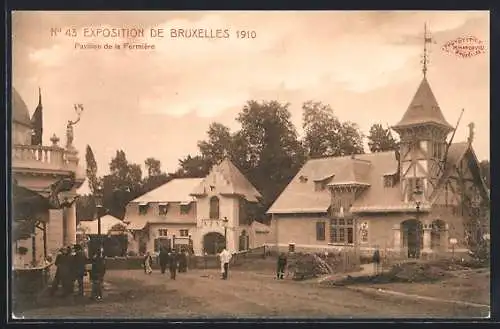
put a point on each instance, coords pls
(320, 231)
(184, 233)
(319, 186)
(413, 185)
(143, 209)
(342, 230)
(185, 208)
(162, 209)
(214, 207)
(162, 232)
(388, 180)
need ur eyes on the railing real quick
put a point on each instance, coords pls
(41, 156)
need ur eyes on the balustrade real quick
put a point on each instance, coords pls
(52, 156)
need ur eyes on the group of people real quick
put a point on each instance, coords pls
(175, 261)
(71, 266)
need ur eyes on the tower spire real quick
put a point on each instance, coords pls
(39, 96)
(425, 58)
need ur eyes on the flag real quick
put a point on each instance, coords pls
(37, 122)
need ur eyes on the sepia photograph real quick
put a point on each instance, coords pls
(250, 165)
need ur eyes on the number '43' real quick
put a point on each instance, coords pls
(71, 32)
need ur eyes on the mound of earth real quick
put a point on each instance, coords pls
(308, 265)
(410, 272)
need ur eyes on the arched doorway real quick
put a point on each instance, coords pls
(244, 241)
(413, 237)
(213, 243)
(438, 229)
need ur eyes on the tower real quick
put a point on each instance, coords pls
(423, 131)
(37, 122)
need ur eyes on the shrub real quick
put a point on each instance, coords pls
(131, 253)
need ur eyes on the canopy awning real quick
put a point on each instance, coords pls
(143, 203)
(163, 204)
(186, 203)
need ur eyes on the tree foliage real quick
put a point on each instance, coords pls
(269, 152)
(218, 146)
(326, 135)
(381, 140)
(91, 170)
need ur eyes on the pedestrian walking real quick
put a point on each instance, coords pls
(67, 272)
(225, 258)
(148, 261)
(79, 262)
(183, 262)
(97, 275)
(59, 271)
(376, 261)
(163, 258)
(173, 263)
(282, 261)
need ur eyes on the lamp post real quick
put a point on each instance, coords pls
(417, 195)
(225, 221)
(98, 196)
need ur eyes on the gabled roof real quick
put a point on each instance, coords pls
(237, 183)
(177, 190)
(456, 153)
(301, 196)
(107, 223)
(423, 108)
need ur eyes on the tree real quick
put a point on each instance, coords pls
(91, 170)
(484, 167)
(268, 148)
(85, 208)
(218, 146)
(85, 204)
(153, 167)
(193, 167)
(326, 135)
(123, 184)
(381, 140)
(155, 177)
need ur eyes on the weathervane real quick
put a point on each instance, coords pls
(69, 127)
(425, 59)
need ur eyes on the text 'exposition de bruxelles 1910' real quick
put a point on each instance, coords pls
(186, 33)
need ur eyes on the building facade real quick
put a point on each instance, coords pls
(421, 198)
(202, 213)
(44, 183)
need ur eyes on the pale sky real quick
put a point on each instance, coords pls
(160, 102)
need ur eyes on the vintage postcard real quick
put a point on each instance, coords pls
(295, 164)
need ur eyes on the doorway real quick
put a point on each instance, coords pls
(213, 243)
(413, 237)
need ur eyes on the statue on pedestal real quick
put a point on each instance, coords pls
(69, 127)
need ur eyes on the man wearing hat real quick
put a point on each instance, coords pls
(59, 271)
(79, 262)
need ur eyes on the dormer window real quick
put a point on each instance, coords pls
(303, 179)
(163, 209)
(185, 207)
(389, 181)
(143, 208)
(319, 186)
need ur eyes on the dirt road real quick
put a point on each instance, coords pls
(202, 294)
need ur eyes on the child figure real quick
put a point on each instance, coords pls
(148, 261)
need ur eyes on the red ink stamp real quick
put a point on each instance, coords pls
(465, 47)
